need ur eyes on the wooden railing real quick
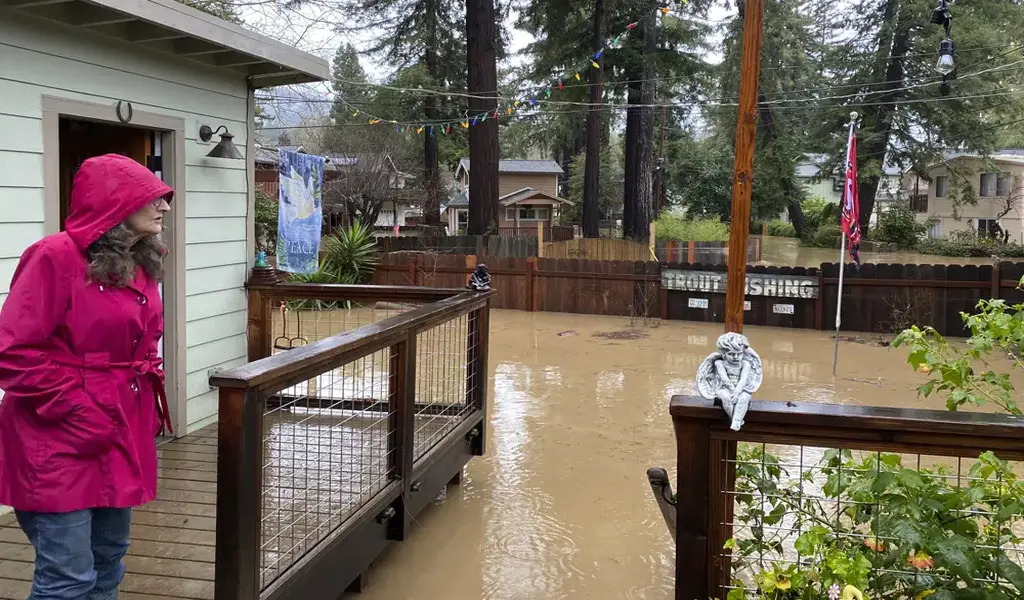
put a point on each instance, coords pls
(706, 500)
(360, 405)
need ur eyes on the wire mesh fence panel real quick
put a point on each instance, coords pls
(326, 453)
(297, 323)
(442, 368)
(808, 522)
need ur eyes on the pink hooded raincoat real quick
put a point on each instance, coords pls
(83, 383)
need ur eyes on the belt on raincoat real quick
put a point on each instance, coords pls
(148, 369)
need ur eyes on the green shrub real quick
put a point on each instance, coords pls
(825, 236)
(780, 229)
(266, 222)
(898, 225)
(818, 212)
(969, 244)
(669, 227)
(350, 255)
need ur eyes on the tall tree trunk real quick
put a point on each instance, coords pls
(482, 86)
(431, 183)
(796, 212)
(592, 171)
(630, 167)
(892, 48)
(640, 219)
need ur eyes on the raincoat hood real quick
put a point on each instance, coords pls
(107, 190)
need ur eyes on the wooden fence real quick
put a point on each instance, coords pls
(878, 298)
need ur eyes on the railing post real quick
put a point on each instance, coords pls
(239, 495)
(401, 428)
(693, 565)
(259, 327)
(476, 370)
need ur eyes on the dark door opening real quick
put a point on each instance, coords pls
(80, 140)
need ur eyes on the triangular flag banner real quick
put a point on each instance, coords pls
(548, 93)
(561, 86)
(596, 66)
(577, 76)
(509, 110)
(598, 55)
(631, 26)
(420, 130)
(465, 125)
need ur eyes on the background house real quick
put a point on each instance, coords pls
(994, 182)
(143, 78)
(527, 195)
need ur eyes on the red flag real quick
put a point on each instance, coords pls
(851, 205)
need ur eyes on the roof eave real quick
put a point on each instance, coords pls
(173, 28)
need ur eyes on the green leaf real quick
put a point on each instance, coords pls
(1010, 571)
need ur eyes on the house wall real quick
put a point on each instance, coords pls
(822, 189)
(986, 208)
(513, 182)
(37, 59)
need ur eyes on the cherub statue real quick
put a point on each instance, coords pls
(480, 279)
(730, 375)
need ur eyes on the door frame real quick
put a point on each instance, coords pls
(173, 130)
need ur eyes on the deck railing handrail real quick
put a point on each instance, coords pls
(707, 450)
(384, 404)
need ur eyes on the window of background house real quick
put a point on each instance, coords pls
(919, 203)
(1003, 184)
(987, 184)
(941, 186)
(986, 226)
(837, 184)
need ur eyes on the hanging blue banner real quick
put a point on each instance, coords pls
(300, 212)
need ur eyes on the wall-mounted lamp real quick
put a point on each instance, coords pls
(225, 148)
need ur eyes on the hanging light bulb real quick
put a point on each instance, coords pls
(945, 65)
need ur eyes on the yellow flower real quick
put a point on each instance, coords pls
(783, 583)
(851, 593)
(875, 544)
(924, 368)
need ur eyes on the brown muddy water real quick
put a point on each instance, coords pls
(560, 508)
(782, 251)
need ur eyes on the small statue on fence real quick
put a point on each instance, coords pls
(480, 279)
(730, 375)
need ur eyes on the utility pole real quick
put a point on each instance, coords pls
(743, 168)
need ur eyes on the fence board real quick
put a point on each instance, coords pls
(877, 298)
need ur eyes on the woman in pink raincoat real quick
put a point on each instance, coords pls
(82, 378)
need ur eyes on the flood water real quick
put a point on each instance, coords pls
(782, 251)
(560, 506)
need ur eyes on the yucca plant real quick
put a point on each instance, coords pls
(350, 255)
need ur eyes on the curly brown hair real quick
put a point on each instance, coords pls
(113, 257)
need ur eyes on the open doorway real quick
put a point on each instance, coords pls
(79, 140)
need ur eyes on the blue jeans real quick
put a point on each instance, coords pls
(78, 554)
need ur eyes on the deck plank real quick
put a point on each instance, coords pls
(190, 589)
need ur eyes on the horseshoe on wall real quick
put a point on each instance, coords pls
(121, 117)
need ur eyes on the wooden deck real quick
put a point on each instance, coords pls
(173, 538)
(172, 551)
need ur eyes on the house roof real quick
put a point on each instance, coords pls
(540, 167)
(185, 32)
(1013, 156)
(268, 155)
(529, 193)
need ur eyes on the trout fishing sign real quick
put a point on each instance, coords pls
(757, 284)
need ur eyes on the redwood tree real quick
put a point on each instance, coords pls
(482, 86)
(592, 170)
